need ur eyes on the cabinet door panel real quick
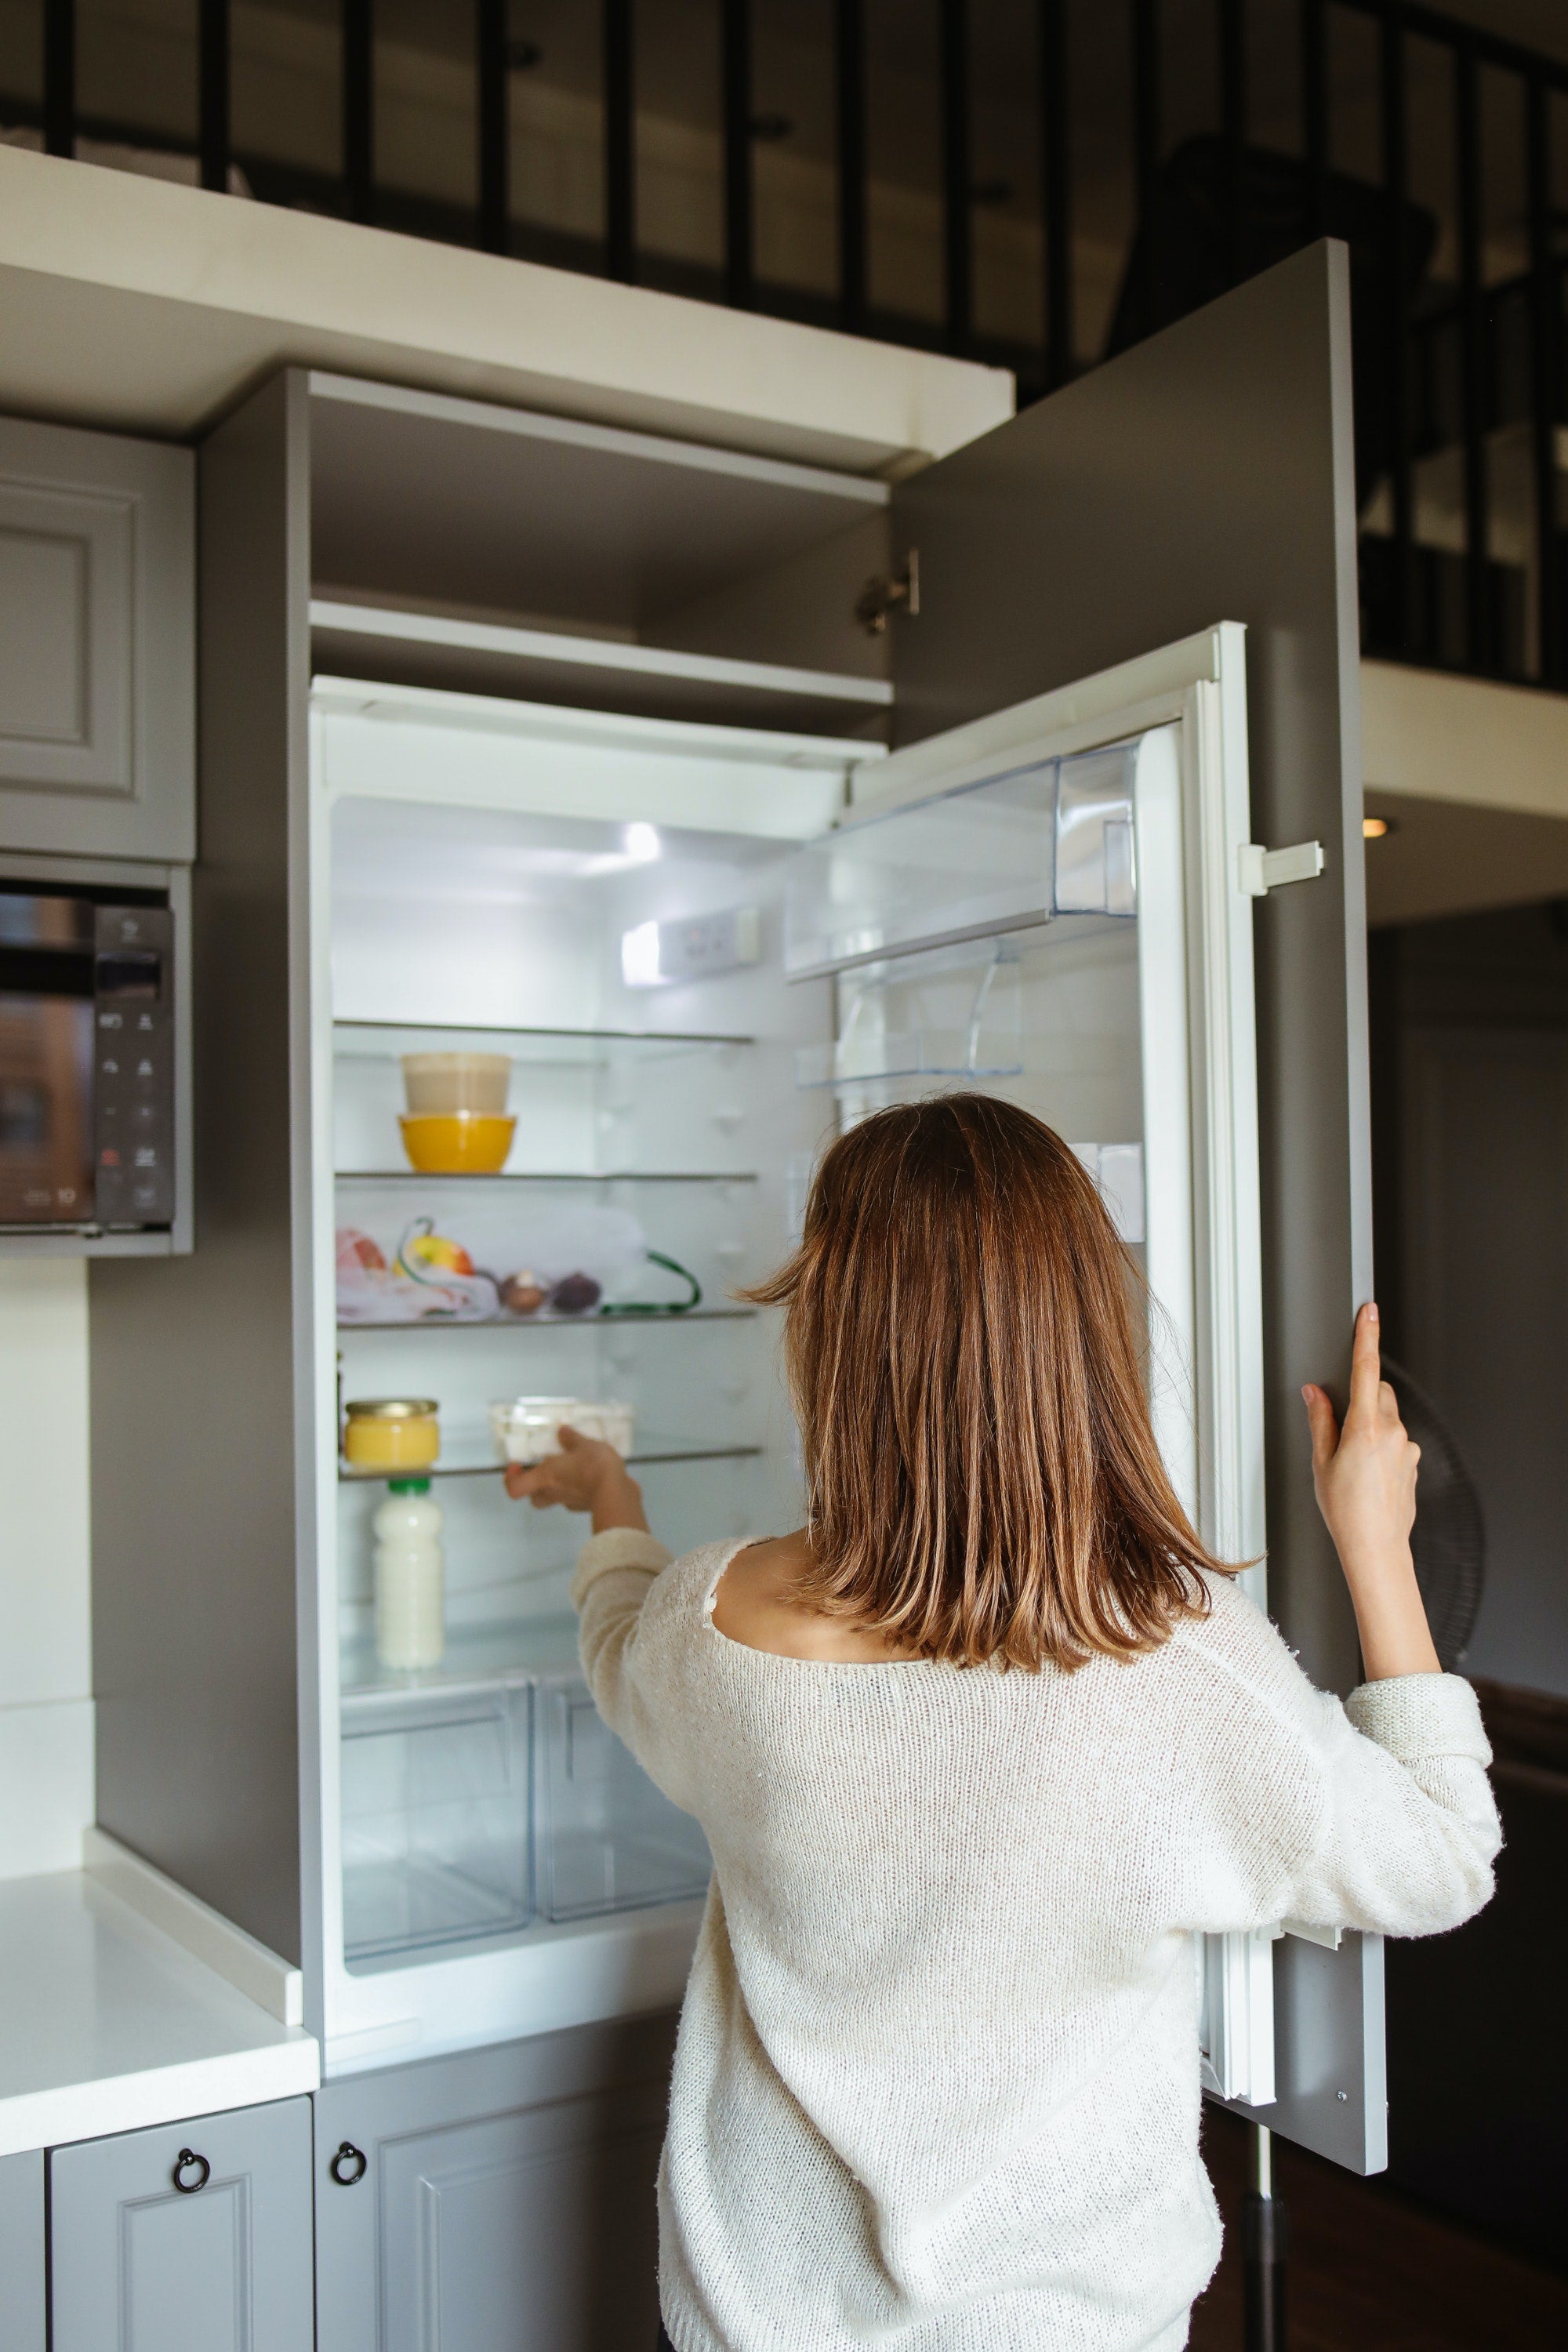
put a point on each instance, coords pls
(219, 2264)
(97, 644)
(499, 2200)
(1207, 476)
(22, 2323)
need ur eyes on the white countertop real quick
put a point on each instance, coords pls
(106, 2024)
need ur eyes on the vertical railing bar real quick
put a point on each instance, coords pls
(1394, 62)
(1056, 191)
(1315, 112)
(1146, 153)
(849, 91)
(1467, 151)
(213, 99)
(60, 77)
(1233, 124)
(620, 137)
(958, 177)
(495, 123)
(735, 74)
(1545, 330)
(359, 153)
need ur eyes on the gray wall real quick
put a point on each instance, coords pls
(1472, 1024)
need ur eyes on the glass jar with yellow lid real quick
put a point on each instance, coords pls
(391, 1434)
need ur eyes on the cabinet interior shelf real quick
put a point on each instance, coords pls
(447, 649)
(652, 1451)
(580, 1049)
(611, 1319)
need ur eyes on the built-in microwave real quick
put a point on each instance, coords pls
(89, 1060)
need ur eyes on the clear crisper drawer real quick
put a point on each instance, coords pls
(609, 1841)
(438, 1818)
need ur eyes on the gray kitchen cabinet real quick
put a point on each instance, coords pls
(192, 2237)
(97, 644)
(22, 2322)
(499, 2200)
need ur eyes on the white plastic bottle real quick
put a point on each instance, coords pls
(410, 1577)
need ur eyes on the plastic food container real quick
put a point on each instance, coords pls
(391, 1432)
(525, 1429)
(435, 1083)
(457, 1143)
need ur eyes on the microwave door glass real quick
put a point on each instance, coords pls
(45, 1110)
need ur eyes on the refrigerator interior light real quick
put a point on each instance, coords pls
(642, 843)
(692, 947)
(639, 956)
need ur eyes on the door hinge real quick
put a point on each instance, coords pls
(1260, 870)
(880, 597)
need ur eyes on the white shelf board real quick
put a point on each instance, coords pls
(436, 648)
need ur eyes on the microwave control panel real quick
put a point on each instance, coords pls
(133, 1067)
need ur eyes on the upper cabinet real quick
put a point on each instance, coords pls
(97, 644)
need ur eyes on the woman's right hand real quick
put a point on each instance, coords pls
(587, 1474)
(1364, 1476)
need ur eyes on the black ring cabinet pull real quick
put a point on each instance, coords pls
(348, 2165)
(189, 2161)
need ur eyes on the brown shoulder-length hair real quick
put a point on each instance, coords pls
(983, 1480)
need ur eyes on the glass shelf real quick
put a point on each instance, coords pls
(484, 1656)
(553, 1176)
(615, 1318)
(648, 1453)
(572, 1048)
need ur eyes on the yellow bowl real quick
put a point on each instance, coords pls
(457, 1143)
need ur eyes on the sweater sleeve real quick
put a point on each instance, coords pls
(1408, 1828)
(614, 1575)
(1376, 1814)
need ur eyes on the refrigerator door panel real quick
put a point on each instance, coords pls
(1209, 473)
(1145, 834)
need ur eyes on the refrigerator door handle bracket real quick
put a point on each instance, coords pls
(1260, 870)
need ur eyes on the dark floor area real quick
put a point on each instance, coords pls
(1370, 2271)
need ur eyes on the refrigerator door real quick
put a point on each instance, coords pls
(1091, 958)
(1208, 473)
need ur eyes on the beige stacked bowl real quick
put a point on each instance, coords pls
(456, 1122)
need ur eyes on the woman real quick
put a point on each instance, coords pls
(976, 1751)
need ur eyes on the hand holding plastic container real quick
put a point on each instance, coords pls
(527, 1429)
(410, 1578)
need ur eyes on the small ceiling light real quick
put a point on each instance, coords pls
(1374, 828)
(642, 843)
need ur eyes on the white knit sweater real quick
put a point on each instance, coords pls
(936, 2088)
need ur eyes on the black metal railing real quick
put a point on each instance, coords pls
(1458, 298)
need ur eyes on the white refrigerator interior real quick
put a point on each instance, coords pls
(705, 951)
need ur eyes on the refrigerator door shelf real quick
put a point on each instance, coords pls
(1029, 843)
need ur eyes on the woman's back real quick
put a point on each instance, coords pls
(937, 2082)
(978, 1751)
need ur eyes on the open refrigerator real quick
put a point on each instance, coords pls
(706, 950)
